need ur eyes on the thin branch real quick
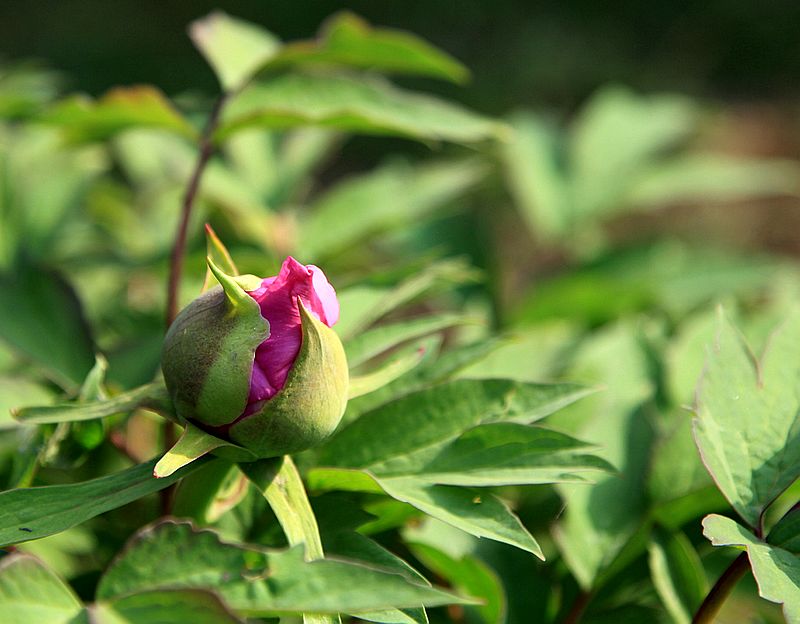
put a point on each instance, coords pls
(179, 248)
(176, 260)
(578, 607)
(713, 601)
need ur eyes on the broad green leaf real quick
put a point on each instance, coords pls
(713, 178)
(437, 415)
(777, 571)
(234, 48)
(537, 180)
(30, 592)
(499, 454)
(31, 513)
(152, 396)
(617, 134)
(253, 581)
(397, 366)
(677, 574)
(362, 105)
(349, 41)
(477, 512)
(184, 605)
(599, 520)
(468, 575)
(368, 344)
(747, 423)
(41, 318)
(121, 108)
(394, 196)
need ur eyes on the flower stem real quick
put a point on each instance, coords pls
(176, 259)
(713, 601)
(179, 248)
(578, 607)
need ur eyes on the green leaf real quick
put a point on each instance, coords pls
(185, 605)
(713, 178)
(537, 181)
(678, 575)
(31, 513)
(60, 343)
(347, 40)
(468, 575)
(777, 571)
(362, 306)
(16, 391)
(499, 454)
(747, 423)
(192, 445)
(152, 396)
(477, 512)
(235, 49)
(437, 415)
(599, 520)
(367, 106)
(786, 532)
(253, 581)
(368, 344)
(396, 367)
(392, 197)
(121, 108)
(30, 592)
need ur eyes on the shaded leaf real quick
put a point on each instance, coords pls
(677, 574)
(185, 605)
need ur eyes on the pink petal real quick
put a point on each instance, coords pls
(277, 297)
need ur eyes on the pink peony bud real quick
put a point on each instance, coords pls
(256, 363)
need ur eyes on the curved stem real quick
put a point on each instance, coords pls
(179, 248)
(176, 260)
(716, 597)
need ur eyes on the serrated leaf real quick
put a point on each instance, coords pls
(30, 592)
(347, 40)
(747, 423)
(677, 574)
(185, 605)
(477, 512)
(254, 581)
(439, 414)
(777, 571)
(31, 513)
(234, 48)
(121, 108)
(364, 105)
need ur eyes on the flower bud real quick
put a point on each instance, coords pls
(256, 363)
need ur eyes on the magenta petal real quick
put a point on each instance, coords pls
(277, 298)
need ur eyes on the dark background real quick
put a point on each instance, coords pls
(551, 52)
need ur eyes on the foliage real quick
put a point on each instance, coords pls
(552, 422)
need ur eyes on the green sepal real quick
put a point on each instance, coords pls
(192, 445)
(309, 406)
(209, 351)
